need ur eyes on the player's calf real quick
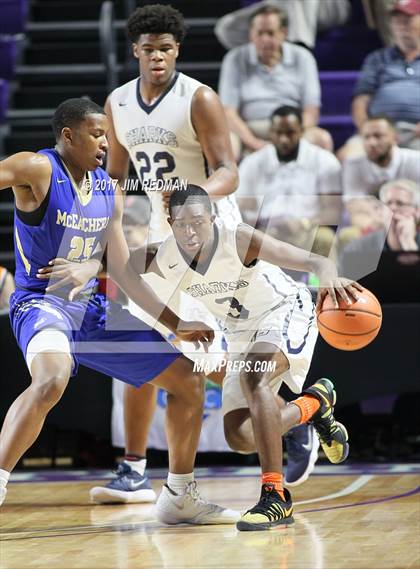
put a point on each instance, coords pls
(238, 431)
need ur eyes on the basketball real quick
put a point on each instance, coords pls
(350, 327)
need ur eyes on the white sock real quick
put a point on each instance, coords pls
(4, 478)
(137, 465)
(178, 482)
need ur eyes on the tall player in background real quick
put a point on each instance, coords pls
(174, 130)
(66, 208)
(172, 127)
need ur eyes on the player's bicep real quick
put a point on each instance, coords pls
(210, 123)
(253, 244)
(24, 169)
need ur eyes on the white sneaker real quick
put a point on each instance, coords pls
(3, 492)
(191, 508)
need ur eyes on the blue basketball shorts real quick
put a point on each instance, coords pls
(102, 334)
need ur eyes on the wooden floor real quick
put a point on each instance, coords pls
(346, 518)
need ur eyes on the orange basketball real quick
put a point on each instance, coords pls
(351, 326)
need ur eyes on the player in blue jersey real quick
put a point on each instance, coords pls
(67, 211)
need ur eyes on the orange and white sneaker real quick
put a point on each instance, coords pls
(271, 511)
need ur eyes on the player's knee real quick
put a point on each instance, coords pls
(190, 389)
(48, 391)
(252, 380)
(195, 392)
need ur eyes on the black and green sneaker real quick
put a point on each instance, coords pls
(271, 511)
(332, 434)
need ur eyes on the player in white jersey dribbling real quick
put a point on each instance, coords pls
(270, 328)
(174, 130)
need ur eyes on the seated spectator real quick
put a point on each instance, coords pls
(389, 80)
(399, 231)
(382, 162)
(258, 76)
(7, 286)
(402, 198)
(305, 19)
(376, 13)
(291, 183)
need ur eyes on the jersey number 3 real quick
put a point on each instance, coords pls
(236, 310)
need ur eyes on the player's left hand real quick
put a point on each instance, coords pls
(330, 283)
(196, 332)
(66, 272)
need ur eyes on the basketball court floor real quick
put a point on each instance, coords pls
(346, 517)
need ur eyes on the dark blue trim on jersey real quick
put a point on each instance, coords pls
(297, 350)
(206, 166)
(149, 108)
(273, 286)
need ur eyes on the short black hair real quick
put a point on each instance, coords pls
(192, 193)
(380, 117)
(287, 110)
(156, 19)
(72, 112)
(283, 19)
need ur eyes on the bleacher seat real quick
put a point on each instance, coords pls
(341, 127)
(13, 16)
(8, 54)
(337, 89)
(4, 95)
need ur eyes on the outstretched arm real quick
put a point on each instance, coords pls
(253, 244)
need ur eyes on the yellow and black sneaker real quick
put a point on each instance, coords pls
(271, 511)
(332, 434)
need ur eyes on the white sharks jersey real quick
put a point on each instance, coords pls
(236, 295)
(163, 145)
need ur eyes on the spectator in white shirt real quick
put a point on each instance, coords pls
(291, 187)
(383, 162)
(259, 76)
(399, 230)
